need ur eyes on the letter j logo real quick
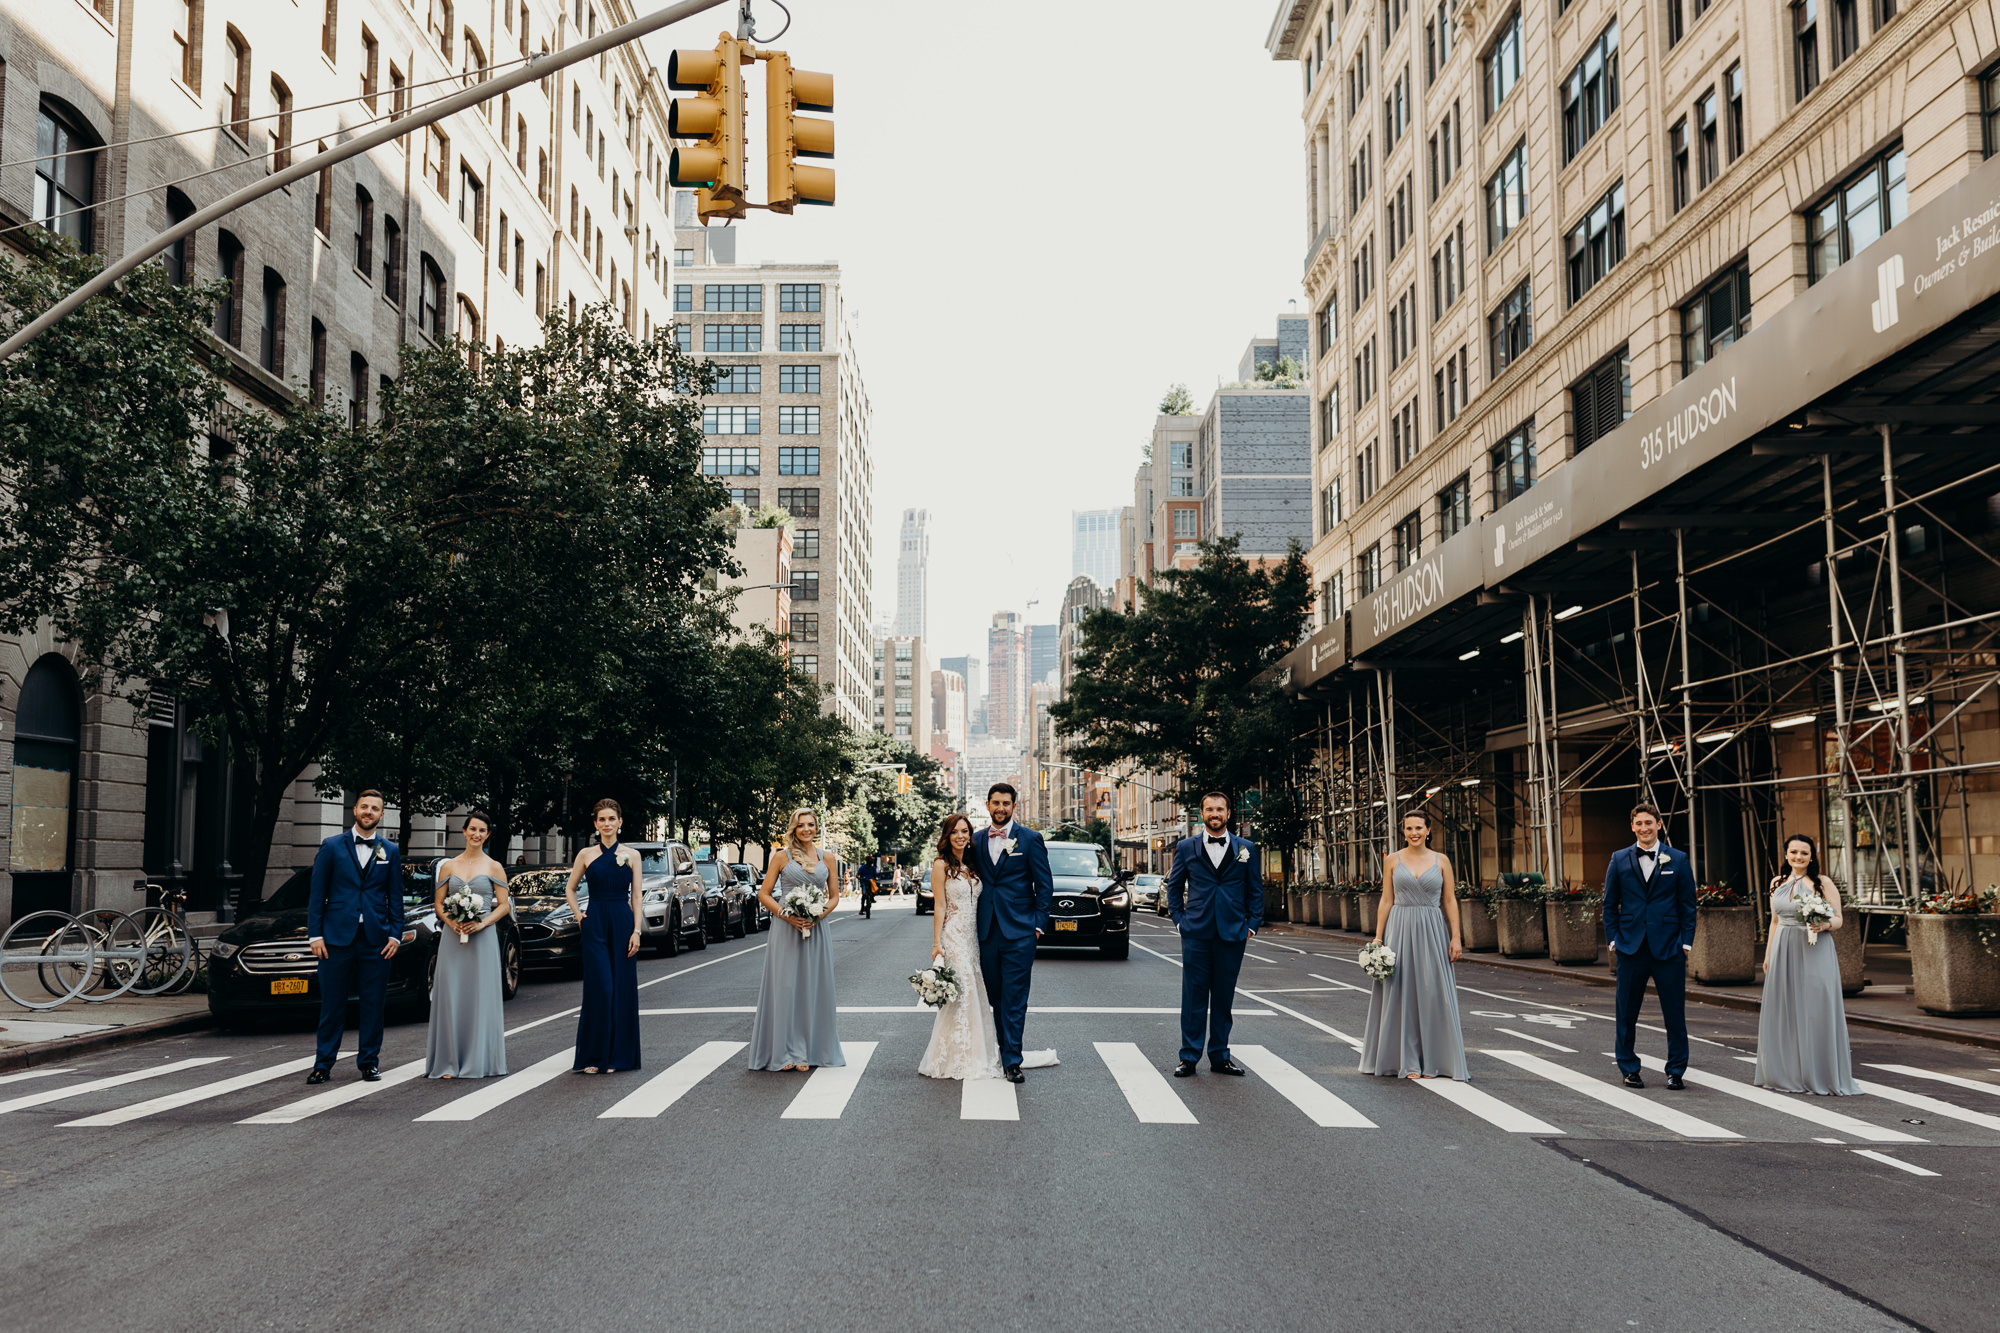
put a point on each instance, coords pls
(1499, 545)
(1888, 277)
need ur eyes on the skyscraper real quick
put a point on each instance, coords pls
(1007, 677)
(913, 560)
(1044, 651)
(1094, 545)
(975, 690)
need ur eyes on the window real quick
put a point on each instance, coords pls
(798, 421)
(437, 161)
(439, 25)
(1503, 63)
(1403, 327)
(65, 176)
(323, 202)
(371, 67)
(1329, 416)
(801, 296)
(1367, 471)
(430, 299)
(1512, 461)
(399, 98)
(229, 268)
(1408, 536)
(1437, 42)
(806, 547)
(1181, 455)
(724, 461)
(1884, 11)
(521, 144)
(1732, 83)
(1805, 48)
(1708, 157)
(1404, 441)
(1184, 522)
(1510, 330)
(1846, 30)
(799, 501)
(798, 460)
(187, 39)
(1676, 23)
(271, 338)
(1368, 571)
(745, 420)
(1393, 14)
(798, 379)
(683, 334)
(732, 296)
(1357, 79)
(357, 390)
(1328, 324)
(1601, 400)
(364, 232)
(798, 338)
(1677, 169)
(743, 495)
(473, 69)
(281, 124)
(178, 258)
(1364, 374)
(805, 586)
(1396, 111)
(1448, 272)
(1717, 316)
(542, 304)
(328, 28)
(316, 369)
(1447, 151)
(1398, 223)
(732, 337)
(1849, 220)
(236, 83)
(1329, 507)
(1332, 605)
(1507, 197)
(1454, 507)
(1180, 487)
(1451, 386)
(739, 379)
(472, 202)
(544, 180)
(392, 260)
(468, 329)
(805, 628)
(1364, 270)
(1358, 179)
(576, 219)
(1591, 94)
(1597, 243)
(520, 261)
(805, 662)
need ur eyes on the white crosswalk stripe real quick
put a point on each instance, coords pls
(189, 1096)
(498, 1093)
(1486, 1106)
(1152, 1098)
(47, 1095)
(1971, 1084)
(1888, 1160)
(1618, 1098)
(988, 1099)
(31, 1073)
(827, 1088)
(1786, 1105)
(1320, 1106)
(662, 1090)
(341, 1096)
(1919, 1101)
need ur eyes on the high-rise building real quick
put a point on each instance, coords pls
(902, 690)
(788, 424)
(1007, 678)
(1044, 644)
(913, 558)
(1093, 545)
(948, 717)
(975, 691)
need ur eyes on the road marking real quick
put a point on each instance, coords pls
(1619, 1098)
(1777, 1101)
(926, 1009)
(1151, 1098)
(742, 953)
(1537, 1040)
(32, 1073)
(988, 1099)
(662, 1090)
(1321, 1107)
(187, 1097)
(826, 1091)
(1691, 1037)
(1355, 1042)
(1157, 954)
(341, 1096)
(57, 1094)
(1918, 1100)
(1486, 1106)
(1887, 1160)
(715, 1009)
(1344, 985)
(1841, 1142)
(550, 1019)
(475, 1104)
(1991, 1089)
(1515, 999)
(1273, 944)
(1306, 990)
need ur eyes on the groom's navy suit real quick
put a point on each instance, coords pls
(1013, 905)
(1216, 910)
(355, 911)
(1649, 920)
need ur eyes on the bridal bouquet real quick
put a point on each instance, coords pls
(1810, 910)
(463, 907)
(936, 986)
(807, 900)
(1378, 961)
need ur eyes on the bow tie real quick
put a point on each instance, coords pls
(1218, 842)
(996, 833)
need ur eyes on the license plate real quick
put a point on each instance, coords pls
(1065, 925)
(289, 986)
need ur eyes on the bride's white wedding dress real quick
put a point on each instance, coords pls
(963, 1044)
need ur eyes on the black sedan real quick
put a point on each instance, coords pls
(731, 910)
(1092, 907)
(752, 881)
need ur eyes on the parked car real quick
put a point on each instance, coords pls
(1149, 891)
(727, 908)
(754, 881)
(926, 902)
(1092, 905)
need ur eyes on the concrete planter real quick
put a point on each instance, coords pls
(1314, 907)
(1476, 929)
(1725, 946)
(1955, 975)
(1523, 928)
(1370, 904)
(1576, 931)
(1847, 941)
(1342, 912)
(1295, 907)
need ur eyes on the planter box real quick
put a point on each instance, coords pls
(1847, 940)
(1725, 946)
(1295, 906)
(1370, 905)
(1275, 902)
(1576, 932)
(1955, 974)
(1523, 928)
(1476, 929)
(1340, 912)
(1311, 906)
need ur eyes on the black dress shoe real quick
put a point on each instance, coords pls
(1674, 1082)
(1184, 1069)
(1014, 1075)
(320, 1074)
(1634, 1081)
(1225, 1066)
(371, 1074)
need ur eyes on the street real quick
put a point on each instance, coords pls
(152, 1190)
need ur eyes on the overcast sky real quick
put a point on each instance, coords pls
(1048, 213)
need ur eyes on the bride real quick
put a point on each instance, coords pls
(963, 1044)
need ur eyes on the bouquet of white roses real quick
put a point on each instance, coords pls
(1810, 910)
(464, 907)
(937, 985)
(807, 900)
(1378, 961)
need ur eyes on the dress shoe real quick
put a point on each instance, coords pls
(1634, 1081)
(1013, 1074)
(1674, 1082)
(320, 1074)
(1225, 1066)
(371, 1074)
(1185, 1069)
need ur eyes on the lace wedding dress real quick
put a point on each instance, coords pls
(963, 1044)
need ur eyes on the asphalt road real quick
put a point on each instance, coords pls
(1305, 1196)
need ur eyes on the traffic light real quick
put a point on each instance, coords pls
(903, 784)
(790, 136)
(716, 165)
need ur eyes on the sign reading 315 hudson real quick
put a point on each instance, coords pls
(1430, 584)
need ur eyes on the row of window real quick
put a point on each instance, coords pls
(803, 297)
(750, 337)
(750, 379)
(741, 461)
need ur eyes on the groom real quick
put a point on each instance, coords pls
(354, 920)
(1013, 911)
(1649, 922)
(1216, 897)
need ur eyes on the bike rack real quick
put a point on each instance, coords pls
(50, 942)
(150, 952)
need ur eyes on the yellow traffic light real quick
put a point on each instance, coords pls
(790, 136)
(716, 165)
(903, 784)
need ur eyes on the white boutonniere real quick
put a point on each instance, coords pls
(1007, 846)
(1242, 855)
(627, 857)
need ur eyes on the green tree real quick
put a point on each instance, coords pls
(903, 822)
(1178, 402)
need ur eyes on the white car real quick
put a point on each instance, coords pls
(1147, 890)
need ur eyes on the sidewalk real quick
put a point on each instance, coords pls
(31, 1037)
(1886, 1003)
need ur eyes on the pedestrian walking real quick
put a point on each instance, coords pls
(1217, 901)
(1802, 1023)
(607, 1028)
(1649, 924)
(468, 1036)
(798, 1020)
(354, 925)
(1413, 1029)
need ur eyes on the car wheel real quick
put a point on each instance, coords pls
(742, 926)
(700, 940)
(1121, 949)
(670, 943)
(510, 967)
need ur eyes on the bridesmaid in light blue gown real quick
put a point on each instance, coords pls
(1413, 1016)
(1802, 1024)
(468, 1037)
(798, 1024)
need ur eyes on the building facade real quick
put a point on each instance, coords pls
(1093, 544)
(1044, 649)
(1006, 679)
(902, 704)
(913, 559)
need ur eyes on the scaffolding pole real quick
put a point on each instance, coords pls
(1687, 704)
(1905, 766)
(1839, 669)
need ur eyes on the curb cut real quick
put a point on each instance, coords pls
(48, 1052)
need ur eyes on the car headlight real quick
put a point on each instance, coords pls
(223, 950)
(409, 936)
(1118, 899)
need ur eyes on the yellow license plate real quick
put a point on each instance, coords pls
(289, 986)
(1065, 925)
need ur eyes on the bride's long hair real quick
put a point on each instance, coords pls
(969, 867)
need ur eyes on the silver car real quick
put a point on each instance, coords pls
(1147, 889)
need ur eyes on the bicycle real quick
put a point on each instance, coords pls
(170, 957)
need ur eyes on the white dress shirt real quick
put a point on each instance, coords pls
(1217, 851)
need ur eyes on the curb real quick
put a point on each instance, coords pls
(48, 1052)
(1697, 994)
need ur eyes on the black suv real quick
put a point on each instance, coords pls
(1092, 906)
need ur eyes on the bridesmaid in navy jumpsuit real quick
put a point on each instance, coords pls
(607, 1031)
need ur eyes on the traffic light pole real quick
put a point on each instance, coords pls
(534, 68)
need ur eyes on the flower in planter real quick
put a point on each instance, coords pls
(1951, 901)
(1724, 894)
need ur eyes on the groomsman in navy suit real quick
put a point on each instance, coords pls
(1215, 894)
(1013, 912)
(1649, 921)
(354, 919)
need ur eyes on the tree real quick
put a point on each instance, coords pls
(1179, 686)
(772, 747)
(905, 822)
(1178, 402)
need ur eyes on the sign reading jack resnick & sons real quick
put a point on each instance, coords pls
(1432, 583)
(1917, 278)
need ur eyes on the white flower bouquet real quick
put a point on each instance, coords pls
(463, 907)
(1378, 961)
(1810, 910)
(937, 985)
(807, 900)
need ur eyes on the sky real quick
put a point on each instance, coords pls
(1047, 214)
